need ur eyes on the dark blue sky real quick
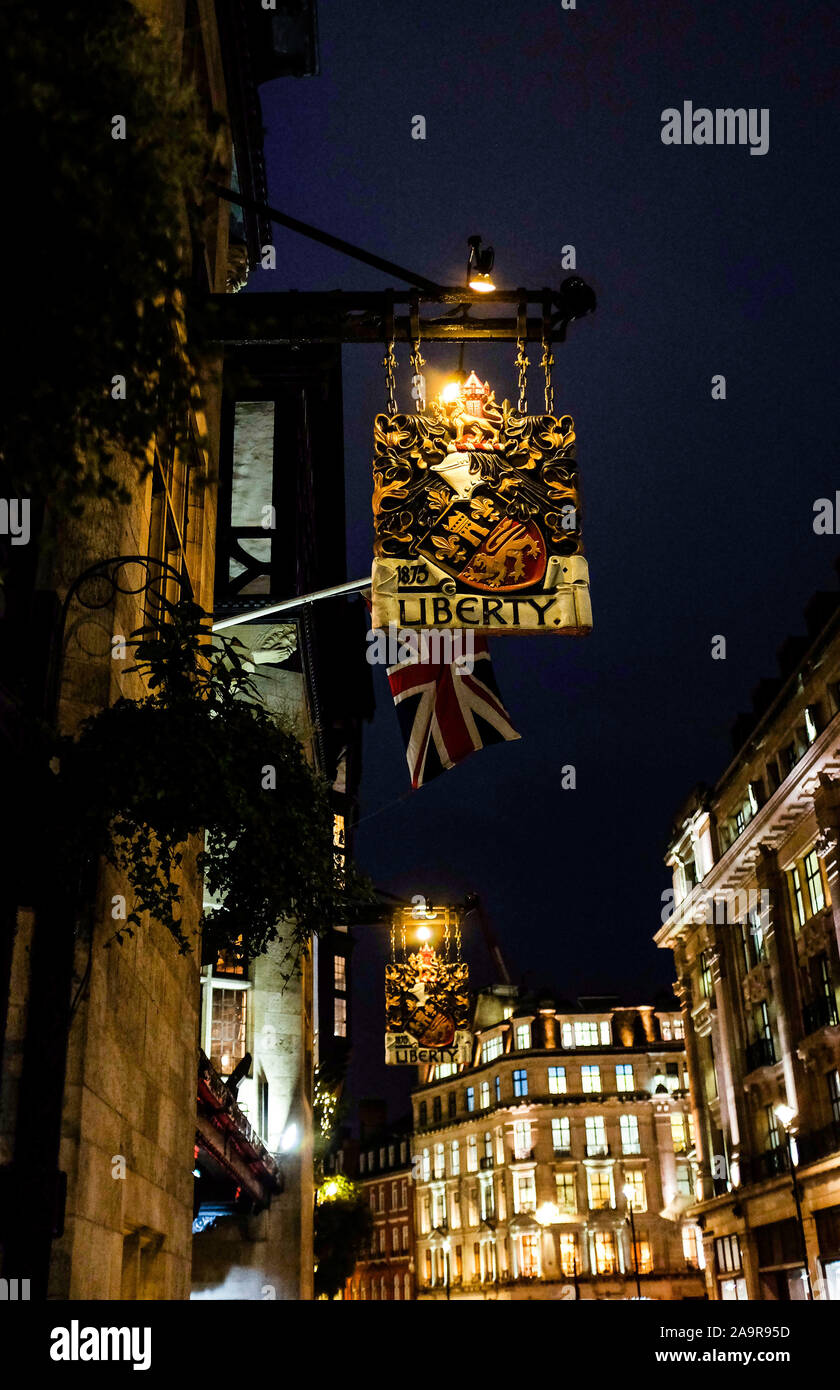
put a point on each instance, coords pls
(543, 128)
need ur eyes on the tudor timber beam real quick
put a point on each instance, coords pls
(362, 317)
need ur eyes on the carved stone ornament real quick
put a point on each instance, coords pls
(756, 985)
(825, 842)
(477, 519)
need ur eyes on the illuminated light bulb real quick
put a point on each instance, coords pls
(330, 1189)
(451, 392)
(481, 281)
(548, 1213)
(424, 933)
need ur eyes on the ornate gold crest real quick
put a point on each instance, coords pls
(477, 519)
(427, 1010)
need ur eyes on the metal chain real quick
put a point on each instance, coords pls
(522, 368)
(446, 936)
(389, 362)
(393, 942)
(418, 381)
(547, 364)
(457, 937)
(402, 934)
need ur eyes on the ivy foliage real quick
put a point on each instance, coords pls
(105, 231)
(343, 1224)
(198, 756)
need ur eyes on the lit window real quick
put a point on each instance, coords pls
(692, 1244)
(605, 1261)
(520, 1082)
(796, 899)
(438, 1161)
(606, 1033)
(472, 1153)
(624, 1077)
(665, 1026)
(470, 1098)
(561, 1134)
(492, 1048)
(529, 1256)
(567, 1035)
(811, 730)
(444, 1069)
(586, 1034)
(500, 1144)
(523, 1035)
(340, 1018)
(635, 1178)
(643, 1256)
(227, 1029)
(629, 1126)
(590, 1078)
(569, 1263)
(426, 1166)
(524, 1192)
(814, 880)
(484, 1094)
(522, 1141)
(557, 1081)
(705, 968)
(685, 1181)
(596, 1135)
(497, 1085)
(679, 1134)
(395, 1239)
(340, 973)
(454, 1158)
(566, 1195)
(600, 1189)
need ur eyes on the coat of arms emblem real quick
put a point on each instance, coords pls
(477, 519)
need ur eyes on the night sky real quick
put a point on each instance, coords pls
(543, 128)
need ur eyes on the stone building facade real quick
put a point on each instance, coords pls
(521, 1159)
(754, 924)
(107, 1209)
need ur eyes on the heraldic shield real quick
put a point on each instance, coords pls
(427, 1003)
(477, 519)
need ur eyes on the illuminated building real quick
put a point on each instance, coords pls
(380, 1163)
(754, 930)
(522, 1157)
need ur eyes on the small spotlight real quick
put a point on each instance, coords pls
(451, 392)
(479, 266)
(196, 1172)
(424, 933)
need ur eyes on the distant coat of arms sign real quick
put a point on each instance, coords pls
(477, 519)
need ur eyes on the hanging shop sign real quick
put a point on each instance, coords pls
(477, 518)
(427, 1005)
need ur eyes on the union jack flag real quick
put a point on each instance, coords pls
(446, 713)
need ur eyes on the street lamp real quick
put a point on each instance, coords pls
(786, 1116)
(629, 1193)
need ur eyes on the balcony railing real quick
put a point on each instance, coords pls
(486, 1163)
(524, 1155)
(597, 1150)
(760, 1054)
(821, 1013)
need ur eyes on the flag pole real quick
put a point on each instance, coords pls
(353, 586)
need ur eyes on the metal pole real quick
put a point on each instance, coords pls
(353, 586)
(635, 1251)
(327, 239)
(801, 1223)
